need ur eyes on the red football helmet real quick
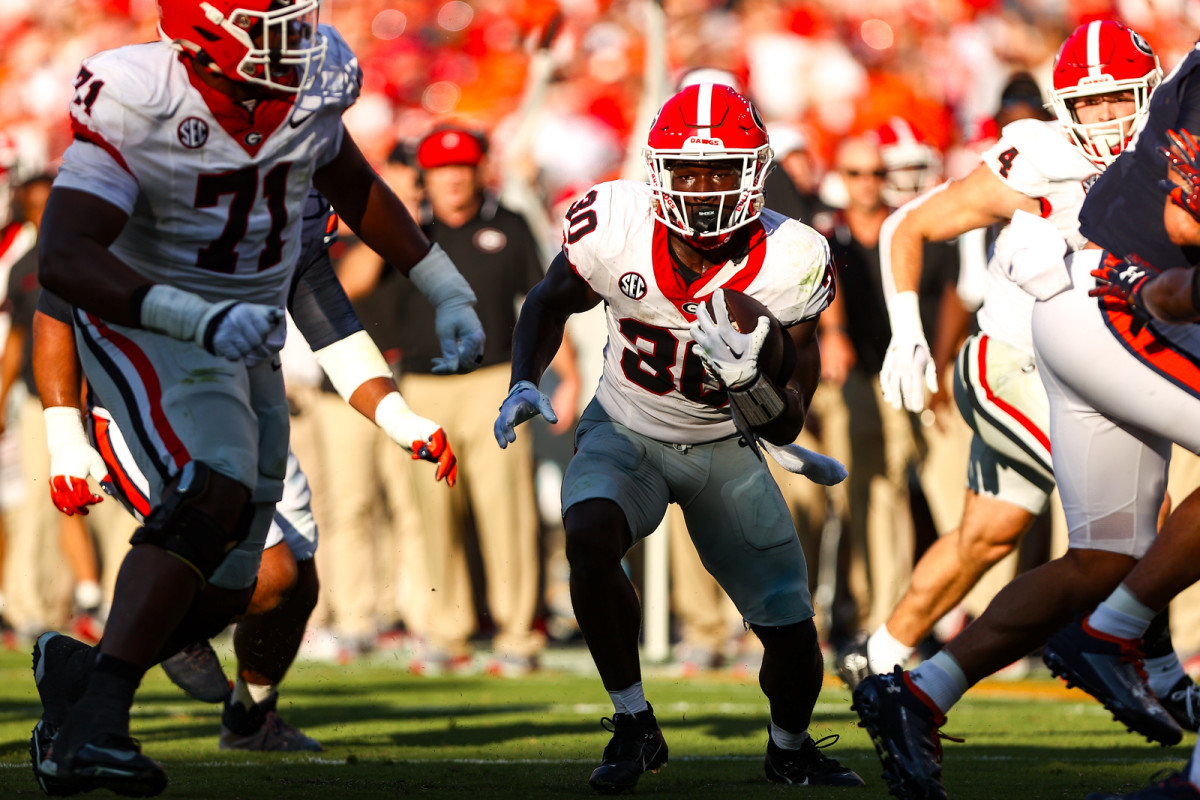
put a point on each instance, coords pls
(1098, 58)
(707, 122)
(912, 165)
(272, 43)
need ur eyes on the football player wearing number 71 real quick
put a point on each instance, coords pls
(174, 228)
(679, 409)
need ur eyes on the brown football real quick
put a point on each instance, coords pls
(777, 359)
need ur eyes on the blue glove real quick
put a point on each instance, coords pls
(524, 402)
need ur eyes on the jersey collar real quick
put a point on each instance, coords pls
(737, 275)
(249, 128)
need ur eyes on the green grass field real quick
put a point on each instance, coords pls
(389, 734)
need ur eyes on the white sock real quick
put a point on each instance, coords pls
(941, 679)
(1122, 615)
(885, 652)
(1163, 673)
(785, 740)
(88, 595)
(630, 701)
(249, 694)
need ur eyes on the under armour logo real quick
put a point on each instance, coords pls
(893, 687)
(1132, 273)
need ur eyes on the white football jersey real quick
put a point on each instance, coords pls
(653, 381)
(1035, 158)
(215, 190)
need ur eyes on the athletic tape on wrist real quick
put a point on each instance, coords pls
(64, 427)
(351, 362)
(165, 309)
(436, 277)
(904, 313)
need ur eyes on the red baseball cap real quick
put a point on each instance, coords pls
(446, 147)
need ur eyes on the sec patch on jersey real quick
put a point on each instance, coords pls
(777, 359)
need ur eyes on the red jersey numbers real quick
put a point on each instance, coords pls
(653, 362)
(581, 218)
(1006, 160)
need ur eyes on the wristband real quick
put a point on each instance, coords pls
(392, 415)
(351, 362)
(165, 309)
(760, 403)
(904, 312)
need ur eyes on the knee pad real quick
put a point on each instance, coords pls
(181, 525)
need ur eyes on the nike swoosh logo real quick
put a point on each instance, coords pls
(119, 755)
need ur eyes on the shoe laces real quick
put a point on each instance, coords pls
(819, 759)
(627, 731)
(1187, 696)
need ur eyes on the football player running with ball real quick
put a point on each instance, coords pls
(660, 428)
(174, 228)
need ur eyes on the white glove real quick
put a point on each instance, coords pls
(72, 461)
(457, 326)
(728, 353)
(422, 437)
(907, 365)
(818, 468)
(524, 402)
(1032, 252)
(228, 328)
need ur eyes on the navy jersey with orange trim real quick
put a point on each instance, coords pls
(1123, 212)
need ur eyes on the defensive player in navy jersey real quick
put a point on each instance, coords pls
(173, 228)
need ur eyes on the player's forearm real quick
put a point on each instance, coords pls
(56, 371)
(537, 338)
(1174, 296)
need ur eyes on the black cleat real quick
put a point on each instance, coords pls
(1173, 786)
(852, 662)
(1183, 703)
(197, 670)
(111, 762)
(40, 747)
(807, 766)
(903, 725)
(52, 676)
(637, 746)
(1110, 670)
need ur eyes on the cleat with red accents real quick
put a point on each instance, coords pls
(1110, 670)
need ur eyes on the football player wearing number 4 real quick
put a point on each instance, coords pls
(173, 228)
(1120, 390)
(660, 428)
(1036, 169)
